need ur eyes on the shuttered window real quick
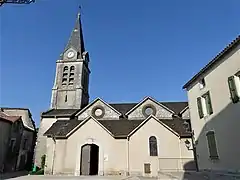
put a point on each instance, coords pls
(212, 146)
(233, 89)
(153, 146)
(208, 103)
(200, 109)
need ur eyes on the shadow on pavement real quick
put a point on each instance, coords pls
(13, 174)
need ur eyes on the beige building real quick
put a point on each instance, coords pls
(17, 140)
(99, 138)
(214, 103)
(142, 138)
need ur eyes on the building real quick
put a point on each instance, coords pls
(214, 103)
(100, 138)
(11, 129)
(18, 138)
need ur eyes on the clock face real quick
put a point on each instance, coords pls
(70, 54)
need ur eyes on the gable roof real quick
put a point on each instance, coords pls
(62, 127)
(60, 112)
(118, 128)
(123, 108)
(214, 61)
(27, 120)
(177, 107)
(93, 102)
(144, 100)
(146, 120)
(177, 124)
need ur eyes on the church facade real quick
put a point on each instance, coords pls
(80, 137)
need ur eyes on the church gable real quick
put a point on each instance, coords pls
(99, 110)
(147, 107)
(117, 129)
(152, 125)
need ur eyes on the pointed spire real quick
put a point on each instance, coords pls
(76, 39)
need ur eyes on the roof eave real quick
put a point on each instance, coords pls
(216, 59)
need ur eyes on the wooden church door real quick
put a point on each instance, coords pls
(85, 159)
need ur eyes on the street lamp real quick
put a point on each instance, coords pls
(187, 126)
(188, 144)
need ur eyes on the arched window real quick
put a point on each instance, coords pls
(153, 146)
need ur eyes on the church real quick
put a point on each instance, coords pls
(79, 137)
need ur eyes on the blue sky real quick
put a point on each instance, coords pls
(137, 48)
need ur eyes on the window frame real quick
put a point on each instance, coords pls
(153, 146)
(200, 107)
(211, 151)
(204, 105)
(208, 103)
(234, 87)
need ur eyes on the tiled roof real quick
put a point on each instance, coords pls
(215, 60)
(59, 112)
(62, 127)
(119, 128)
(24, 113)
(9, 118)
(178, 126)
(123, 107)
(177, 107)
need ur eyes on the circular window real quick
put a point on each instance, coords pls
(148, 110)
(98, 112)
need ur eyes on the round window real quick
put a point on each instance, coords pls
(148, 110)
(98, 112)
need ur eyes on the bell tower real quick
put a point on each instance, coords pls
(70, 89)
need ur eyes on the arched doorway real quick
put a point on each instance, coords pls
(89, 159)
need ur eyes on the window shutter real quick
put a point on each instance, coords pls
(212, 145)
(200, 110)
(209, 103)
(232, 89)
